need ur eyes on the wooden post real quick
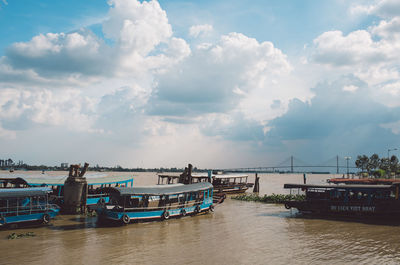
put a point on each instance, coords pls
(84, 198)
(256, 184)
(83, 171)
(182, 176)
(189, 177)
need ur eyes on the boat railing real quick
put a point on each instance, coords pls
(174, 206)
(23, 210)
(97, 195)
(219, 186)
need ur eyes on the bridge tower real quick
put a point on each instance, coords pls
(291, 163)
(337, 164)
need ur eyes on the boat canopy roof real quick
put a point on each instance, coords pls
(230, 176)
(91, 180)
(345, 187)
(24, 192)
(199, 176)
(14, 181)
(205, 175)
(364, 181)
(160, 190)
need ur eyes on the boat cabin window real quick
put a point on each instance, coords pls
(349, 194)
(317, 194)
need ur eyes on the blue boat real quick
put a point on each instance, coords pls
(19, 205)
(95, 185)
(156, 202)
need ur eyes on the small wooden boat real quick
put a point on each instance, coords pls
(20, 205)
(347, 200)
(164, 178)
(223, 183)
(230, 183)
(156, 202)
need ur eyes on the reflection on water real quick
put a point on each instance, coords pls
(236, 233)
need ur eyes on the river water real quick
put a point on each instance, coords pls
(236, 233)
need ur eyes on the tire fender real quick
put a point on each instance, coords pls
(46, 218)
(165, 215)
(125, 219)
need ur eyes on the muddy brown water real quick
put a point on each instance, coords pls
(236, 233)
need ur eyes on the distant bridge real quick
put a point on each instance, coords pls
(293, 164)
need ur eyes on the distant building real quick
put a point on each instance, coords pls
(6, 162)
(64, 165)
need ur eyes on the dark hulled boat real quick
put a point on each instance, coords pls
(347, 200)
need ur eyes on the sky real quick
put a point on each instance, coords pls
(219, 84)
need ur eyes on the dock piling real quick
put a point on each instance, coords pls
(256, 187)
(75, 190)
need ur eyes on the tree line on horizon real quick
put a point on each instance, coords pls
(378, 167)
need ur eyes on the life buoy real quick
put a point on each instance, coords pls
(45, 218)
(212, 208)
(287, 206)
(125, 219)
(165, 215)
(183, 212)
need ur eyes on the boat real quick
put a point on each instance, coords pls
(20, 205)
(6, 183)
(223, 183)
(94, 187)
(129, 204)
(231, 183)
(365, 181)
(347, 200)
(174, 179)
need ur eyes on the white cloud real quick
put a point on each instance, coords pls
(373, 60)
(386, 8)
(356, 48)
(25, 108)
(200, 30)
(350, 88)
(382, 8)
(137, 26)
(393, 126)
(218, 76)
(76, 55)
(388, 30)
(357, 9)
(143, 42)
